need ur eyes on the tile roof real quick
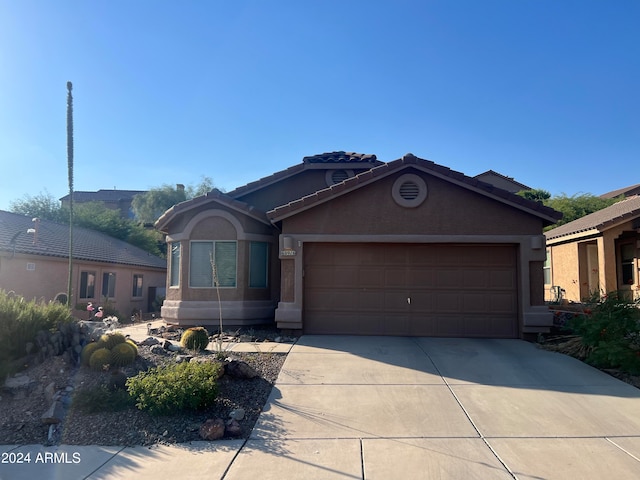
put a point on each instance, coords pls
(384, 169)
(618, 212)
(341, 157)
(103, 195)
(626, 191)
(214, 195)
(522, 186)
(53, 241)
(351, 158)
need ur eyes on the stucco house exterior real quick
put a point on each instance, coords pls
(343, 243)
(34, 264)
(598, 253)
(119, 200)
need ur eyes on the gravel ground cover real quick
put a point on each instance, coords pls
(22, 409)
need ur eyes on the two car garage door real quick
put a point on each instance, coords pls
(411, 289)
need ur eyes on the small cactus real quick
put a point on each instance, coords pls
(133, 344)
(100, 359)
(123, 354)
(196, 338)
(110, 340)
(87, 351)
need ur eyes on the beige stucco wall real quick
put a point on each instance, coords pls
(50, 278)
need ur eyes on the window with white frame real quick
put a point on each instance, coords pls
(137, 285)
(175, 265)
(258, 265)
(87, 285)
(205, 256)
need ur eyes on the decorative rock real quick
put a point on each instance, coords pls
(174, 348)
(29, 347)
(166, 344)
(49, 391)
(149, 341)
(55, 414)
(233, 428)
(18, 381)
(240, 369)
(212, 429)
(237, 414)
(183, 358)
(158, 350)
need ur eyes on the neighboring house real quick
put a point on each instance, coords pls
(346, 244)
(501, 181)
(112, 199)
(624, 192)
(598, 253)
(34, 263)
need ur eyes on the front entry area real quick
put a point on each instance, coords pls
(442, 290)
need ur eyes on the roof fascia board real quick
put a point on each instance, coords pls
(572, 237)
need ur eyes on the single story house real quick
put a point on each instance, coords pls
(598, 253)
(343, 243)
(34, 263)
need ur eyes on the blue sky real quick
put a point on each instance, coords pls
(165, 92)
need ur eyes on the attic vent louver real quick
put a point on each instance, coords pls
(409, 190)
(339, 176)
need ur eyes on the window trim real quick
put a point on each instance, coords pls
(110, 282)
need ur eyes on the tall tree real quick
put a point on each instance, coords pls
(70, 175)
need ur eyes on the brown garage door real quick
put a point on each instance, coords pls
(410, 289)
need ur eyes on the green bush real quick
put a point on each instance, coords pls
(183, 386)
(21, 320)
(612, 333)
(196, 338)
(101, 399)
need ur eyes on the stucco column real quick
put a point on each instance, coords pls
(288, 314)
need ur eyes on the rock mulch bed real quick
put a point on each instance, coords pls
(37, 403)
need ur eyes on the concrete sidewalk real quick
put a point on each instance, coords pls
(391, 407)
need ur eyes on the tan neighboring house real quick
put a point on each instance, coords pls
(343, 243)
(598, 253)
(34, 264)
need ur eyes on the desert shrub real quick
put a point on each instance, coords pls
(183, 386)
(612, 333)
(196, 338)
(21, 321)
(101, 399)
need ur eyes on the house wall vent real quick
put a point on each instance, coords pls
(409, 190)
(336, 176)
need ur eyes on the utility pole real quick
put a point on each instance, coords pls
(70, 174)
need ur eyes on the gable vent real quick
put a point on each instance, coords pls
(339, 176)
(409, 190)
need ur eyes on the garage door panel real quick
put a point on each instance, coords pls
(454, 290)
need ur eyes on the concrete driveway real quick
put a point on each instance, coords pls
(392, 407)
(398, 408)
